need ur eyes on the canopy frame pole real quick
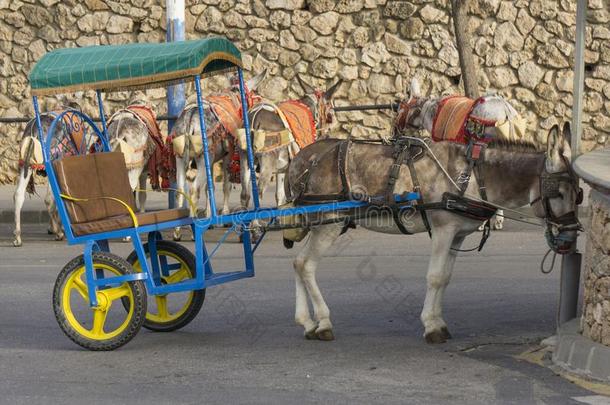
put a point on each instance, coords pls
(175, 94)
(244, 109)
(569, 284)
(100, 105)
(206, 154)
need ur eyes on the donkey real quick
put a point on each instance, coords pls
(266, 119)
(126, 133)
(514, 175)
(190, 152)
(31, 162)
(134, 131)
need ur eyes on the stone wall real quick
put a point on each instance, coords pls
(596, 306)
(524, 50)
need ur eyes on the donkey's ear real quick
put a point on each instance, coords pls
(255, 81)
(566, 132)
(331, 91)
(415, 89)
(308, 89)
(554, 142)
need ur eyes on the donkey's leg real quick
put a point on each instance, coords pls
(440, 268)
(54, 220)
(19, 198)
(142, 192)
(283, 160)
(180, 181)
(245, 180)
(305, 265)
(267, 166)
(226, 185)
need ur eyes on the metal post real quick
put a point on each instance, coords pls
(244, 108)
(570, 264)
(100, 105)
(206, 154)
(175, 93)
(579, 77)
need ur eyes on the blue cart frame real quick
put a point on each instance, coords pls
(238, 222)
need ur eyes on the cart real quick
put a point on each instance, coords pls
(96, 204)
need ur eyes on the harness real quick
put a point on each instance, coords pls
(558, 225)
(404, 153)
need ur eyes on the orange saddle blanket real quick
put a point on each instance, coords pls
(450, 119)
(227, 108)
(300, 120)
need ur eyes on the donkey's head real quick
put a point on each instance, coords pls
(417, 112)
(75, 102)
(250, 86)
(320, 102)
(557, 195)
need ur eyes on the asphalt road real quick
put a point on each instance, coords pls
(245, 348)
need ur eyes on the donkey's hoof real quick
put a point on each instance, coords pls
(311, 335)
(177, 238)
(59, 237)
(438, 336)
(288, 244)
(325, 335)
(17, 243)
(126, 239)
(445, 333)
(498, 226)
(50, 231)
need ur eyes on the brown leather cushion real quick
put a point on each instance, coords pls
(92, 176)
(125, 221)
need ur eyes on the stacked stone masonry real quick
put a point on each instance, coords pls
(596, 305)
(524, 50)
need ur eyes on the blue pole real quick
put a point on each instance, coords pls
(244, 108)
(100, 105)
(175, 93)
(206, 154)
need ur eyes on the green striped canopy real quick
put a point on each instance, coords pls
(121, 67)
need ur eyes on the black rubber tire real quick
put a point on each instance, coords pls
(198, 295)
(137, 289)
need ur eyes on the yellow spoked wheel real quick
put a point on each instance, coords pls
(169, 312)
(107, 326)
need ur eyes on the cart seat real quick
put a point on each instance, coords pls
(97, 194)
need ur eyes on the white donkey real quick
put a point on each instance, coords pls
(31, 162)
(514, 175)
(127, 133)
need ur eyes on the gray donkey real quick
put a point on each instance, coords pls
(187, 129)
(514, 175)
(265, 118)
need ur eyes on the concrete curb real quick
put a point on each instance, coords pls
(580, 355)
(27, 217)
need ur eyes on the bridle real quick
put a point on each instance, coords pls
(406, 111)
(322, 111)
(557, 226)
